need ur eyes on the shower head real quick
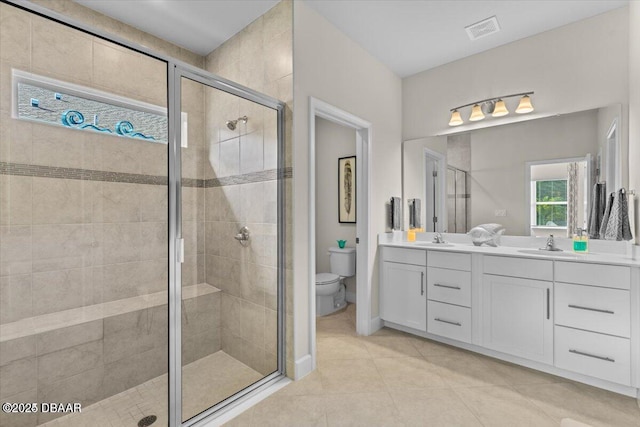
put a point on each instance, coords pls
(231, 124)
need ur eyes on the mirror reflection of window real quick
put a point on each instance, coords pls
(551, 203)
(559, 196)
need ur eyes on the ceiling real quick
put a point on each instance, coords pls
(411, 36)
(197, 25)
(408, 36)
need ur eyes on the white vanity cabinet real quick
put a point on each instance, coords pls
(563, 314)
(449, 295)
(518, 311)
(593, 320)
(403, 290)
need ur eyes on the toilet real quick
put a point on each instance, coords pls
(330, 289)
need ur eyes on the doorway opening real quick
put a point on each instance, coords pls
(361, 131)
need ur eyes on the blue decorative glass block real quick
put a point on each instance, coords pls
(69, 110)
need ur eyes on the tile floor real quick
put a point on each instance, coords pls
(395, 379)
(388, 379)
(207, 381)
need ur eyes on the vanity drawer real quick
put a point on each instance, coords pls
(404, 256)
(449, 321)
(450, 260)
(595, 309)
(608, 276)
(593, 354)
(519, 267)
(450, 286)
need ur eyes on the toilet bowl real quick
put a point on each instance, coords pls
(327, 284)
(331, 292)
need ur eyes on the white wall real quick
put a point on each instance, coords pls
(332, 142)
(634, 107)
(330, 66)
(499, 154)
(577, 67)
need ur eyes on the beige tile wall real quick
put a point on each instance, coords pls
(260, 57)
(68, 243)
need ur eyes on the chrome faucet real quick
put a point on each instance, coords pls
(550, 245)
(437, 238)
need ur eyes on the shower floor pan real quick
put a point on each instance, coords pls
(206, 381)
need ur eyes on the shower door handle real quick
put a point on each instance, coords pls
(180, 250)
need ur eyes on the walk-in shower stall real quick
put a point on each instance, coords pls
(141, 231)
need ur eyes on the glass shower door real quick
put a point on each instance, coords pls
(229, 201)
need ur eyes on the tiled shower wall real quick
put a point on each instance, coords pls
(260, 57)
(68, 243)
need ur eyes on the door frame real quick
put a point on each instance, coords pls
(441, 184)
(364, 257)
(613, 177)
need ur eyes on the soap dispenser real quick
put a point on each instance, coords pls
(581, 241)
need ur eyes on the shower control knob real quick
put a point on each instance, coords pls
(243, 235)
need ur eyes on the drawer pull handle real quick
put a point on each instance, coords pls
(448, 321)
(447, 286)
(579, 307)
(607, 359)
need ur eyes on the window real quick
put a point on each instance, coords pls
(550, 203)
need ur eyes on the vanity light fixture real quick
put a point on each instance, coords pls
(494, 106)
(456, 119)
(476, 113)
(500, 109)
(525, 105)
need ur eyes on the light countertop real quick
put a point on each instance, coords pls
(522, 252)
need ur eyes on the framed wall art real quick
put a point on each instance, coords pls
(347, 190)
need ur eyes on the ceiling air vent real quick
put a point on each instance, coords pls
(483, 28)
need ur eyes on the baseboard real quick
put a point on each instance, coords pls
(351, 297)
(375, 325)
(303, 367)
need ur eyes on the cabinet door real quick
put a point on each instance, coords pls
(517, 317)
(404, 295)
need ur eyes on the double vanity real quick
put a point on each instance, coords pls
(572, 315)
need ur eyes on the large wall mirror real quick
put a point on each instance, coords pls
(534, 177)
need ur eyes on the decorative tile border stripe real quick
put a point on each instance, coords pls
(268, 175)
(21, 169)
(75, 173)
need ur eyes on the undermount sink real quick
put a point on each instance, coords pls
(545, 253)
(435, 245)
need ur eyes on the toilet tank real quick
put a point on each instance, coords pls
(343, 261)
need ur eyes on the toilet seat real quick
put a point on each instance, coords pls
(326, 278)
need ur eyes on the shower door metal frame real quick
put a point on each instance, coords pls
(175, 70)
(175, 75)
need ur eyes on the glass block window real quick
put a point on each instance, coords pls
(77, 107)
